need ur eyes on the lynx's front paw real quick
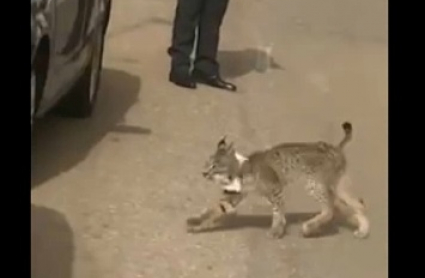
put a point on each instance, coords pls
(276, 232)
(193, 221)
(198, 224)
(193, 224)
(361, 234)
(193, 229)
(308, 229)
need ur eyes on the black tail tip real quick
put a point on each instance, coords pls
(348, 127)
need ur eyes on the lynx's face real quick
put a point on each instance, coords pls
(222, 166)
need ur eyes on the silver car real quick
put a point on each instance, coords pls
(67, 41)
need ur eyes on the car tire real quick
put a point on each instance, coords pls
(81, 100)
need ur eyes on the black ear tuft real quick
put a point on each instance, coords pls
(222, 143)
(347, 127)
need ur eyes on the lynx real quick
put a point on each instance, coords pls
(319, 167)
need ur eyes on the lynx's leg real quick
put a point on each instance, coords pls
(321, 194)
(351, 209)
(209, 218)
(278, 227)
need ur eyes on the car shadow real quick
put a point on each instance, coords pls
(59, 143)
(52, 244)
(237, 63)
(241, 221)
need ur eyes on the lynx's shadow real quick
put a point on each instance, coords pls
(241, 221)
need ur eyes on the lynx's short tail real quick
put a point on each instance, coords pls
(348, 130)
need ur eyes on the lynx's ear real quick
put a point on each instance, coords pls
(222, 143)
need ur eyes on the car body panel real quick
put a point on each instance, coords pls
(69, 26)
(40, 22)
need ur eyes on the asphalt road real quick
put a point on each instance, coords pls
(110, 195)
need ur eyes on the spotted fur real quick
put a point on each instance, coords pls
(319, 166)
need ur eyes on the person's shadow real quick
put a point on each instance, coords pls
(52, 244)
(237, 63)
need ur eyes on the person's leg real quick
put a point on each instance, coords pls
(206, 67)
(212, 15)
(183, 37)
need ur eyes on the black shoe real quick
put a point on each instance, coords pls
(213, 80)
(183, 81)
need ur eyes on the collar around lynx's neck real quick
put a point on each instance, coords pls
(235, 187)
(241, 158)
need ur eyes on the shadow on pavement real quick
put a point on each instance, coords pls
(58, 144)
(241, 62)
(52, 247)
(240, 221)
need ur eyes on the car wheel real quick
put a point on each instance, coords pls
(81, 100)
